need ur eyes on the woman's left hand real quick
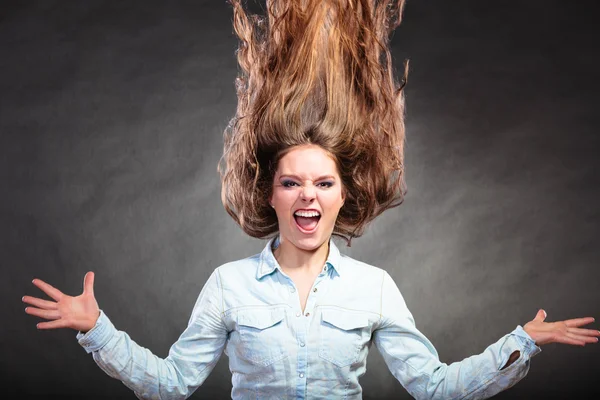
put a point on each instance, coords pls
(567, 332)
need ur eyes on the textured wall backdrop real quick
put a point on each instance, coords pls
(111, 120)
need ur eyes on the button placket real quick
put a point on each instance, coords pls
(312, 295)
(301, 337)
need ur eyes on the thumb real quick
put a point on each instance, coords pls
(540, 316)
(88, 283)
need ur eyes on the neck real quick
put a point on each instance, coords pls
(296, 260)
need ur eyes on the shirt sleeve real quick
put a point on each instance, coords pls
(190, 359)
(414, 361)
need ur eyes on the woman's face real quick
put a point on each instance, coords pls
(307, 196)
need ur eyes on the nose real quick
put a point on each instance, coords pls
(308, 193)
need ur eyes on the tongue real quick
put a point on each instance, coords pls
(307, 223)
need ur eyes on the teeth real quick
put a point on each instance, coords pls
(307, 213)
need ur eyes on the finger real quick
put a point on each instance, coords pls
(88, 283)
(584, 332)
(569, 340)
(540, 316)
(45, 304)
(585, 339)
(48, 314)
(48, 289)
(59, 323)
(579, 321)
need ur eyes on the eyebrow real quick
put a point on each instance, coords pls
(298, 178)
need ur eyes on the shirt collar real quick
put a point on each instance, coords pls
(268, 263)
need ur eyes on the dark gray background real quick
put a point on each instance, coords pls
(111, 120)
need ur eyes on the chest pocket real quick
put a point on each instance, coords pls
(342, 335)
(262, 333)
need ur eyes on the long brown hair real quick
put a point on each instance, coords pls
(316, 72)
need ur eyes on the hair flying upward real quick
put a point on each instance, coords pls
(316, 72)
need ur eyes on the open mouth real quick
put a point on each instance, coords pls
(307, 224)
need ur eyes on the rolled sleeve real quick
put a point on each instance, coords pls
(97, 337)
(525, 342)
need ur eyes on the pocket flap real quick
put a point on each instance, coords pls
(345, 320)
(260, 319)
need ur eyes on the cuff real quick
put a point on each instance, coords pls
(526, 342)
(98, 336)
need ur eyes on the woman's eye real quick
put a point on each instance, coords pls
(292, 183)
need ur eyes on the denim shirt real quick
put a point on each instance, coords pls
(250, 309)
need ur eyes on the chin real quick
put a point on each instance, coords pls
(310, 243)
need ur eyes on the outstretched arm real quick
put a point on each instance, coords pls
(414, 361)
(190, 359)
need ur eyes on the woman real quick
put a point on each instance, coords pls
(315, 150)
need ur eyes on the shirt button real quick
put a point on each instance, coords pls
(298, 314)
(307, 314)
(301, 344)
(315, 289)
(292, 290)
(301, 375)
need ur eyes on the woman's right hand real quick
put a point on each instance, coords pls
(79, 313)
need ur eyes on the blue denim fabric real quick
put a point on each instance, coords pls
(250, 309)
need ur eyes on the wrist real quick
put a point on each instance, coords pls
(91, 324)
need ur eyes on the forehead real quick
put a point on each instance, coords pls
(307, 161)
